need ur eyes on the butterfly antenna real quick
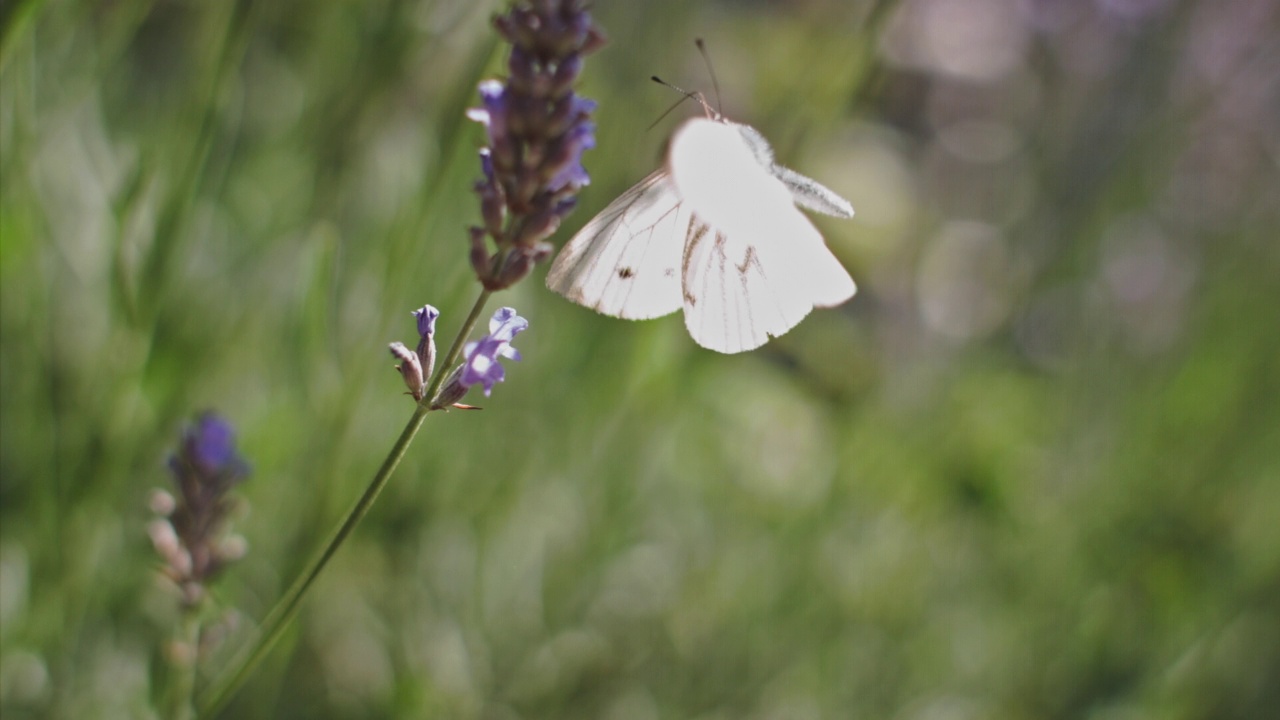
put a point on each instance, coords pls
(687, 96)
(711, 70)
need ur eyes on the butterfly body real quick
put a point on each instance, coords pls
(715, 232)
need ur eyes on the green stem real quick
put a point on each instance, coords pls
(213, 700)
(455, 350)
(185, 656)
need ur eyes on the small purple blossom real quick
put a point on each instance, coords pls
(482, 366)
(494, 113)
(427, 316)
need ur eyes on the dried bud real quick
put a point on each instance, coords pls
(481, 258)
(410, 369)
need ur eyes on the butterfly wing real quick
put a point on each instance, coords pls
(753, 264)
(806, 191)
(813, 195)
(625, 262)
(740, 290)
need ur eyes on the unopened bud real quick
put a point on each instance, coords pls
(162, 502)
(538, 227)
(410, 369)
(481, 260)
(596, 39)
(232, 548)
(165, 540)
(493, 201)
(451, 392)
(427, 339)
(566, 74)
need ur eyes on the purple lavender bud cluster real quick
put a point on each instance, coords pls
(538, 129)
(189, 535)
(480, 367)
(416, 367)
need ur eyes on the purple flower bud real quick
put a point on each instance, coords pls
(566, 166)
(538, 227)
(566, 206)
(481, 259)
(493, 203)
(482, 356)
(523, 71)
(211, 445)
(494, 113)
(595, 40)
(427, 316)
(566, 74)
(521, 260)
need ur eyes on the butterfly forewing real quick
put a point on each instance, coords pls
(626, 261)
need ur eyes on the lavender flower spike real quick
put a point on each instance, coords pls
(482, 365)
(189, 535)
(537, 130)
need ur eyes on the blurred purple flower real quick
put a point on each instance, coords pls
(482, 366)
(206, 461)
(537, 130)
(189, 537)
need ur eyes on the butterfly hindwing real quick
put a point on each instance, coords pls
(740, 289)
(754, 265)
(725, 287)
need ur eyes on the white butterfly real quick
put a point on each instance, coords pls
(716, 231)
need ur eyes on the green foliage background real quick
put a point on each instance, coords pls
(1032, 470)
